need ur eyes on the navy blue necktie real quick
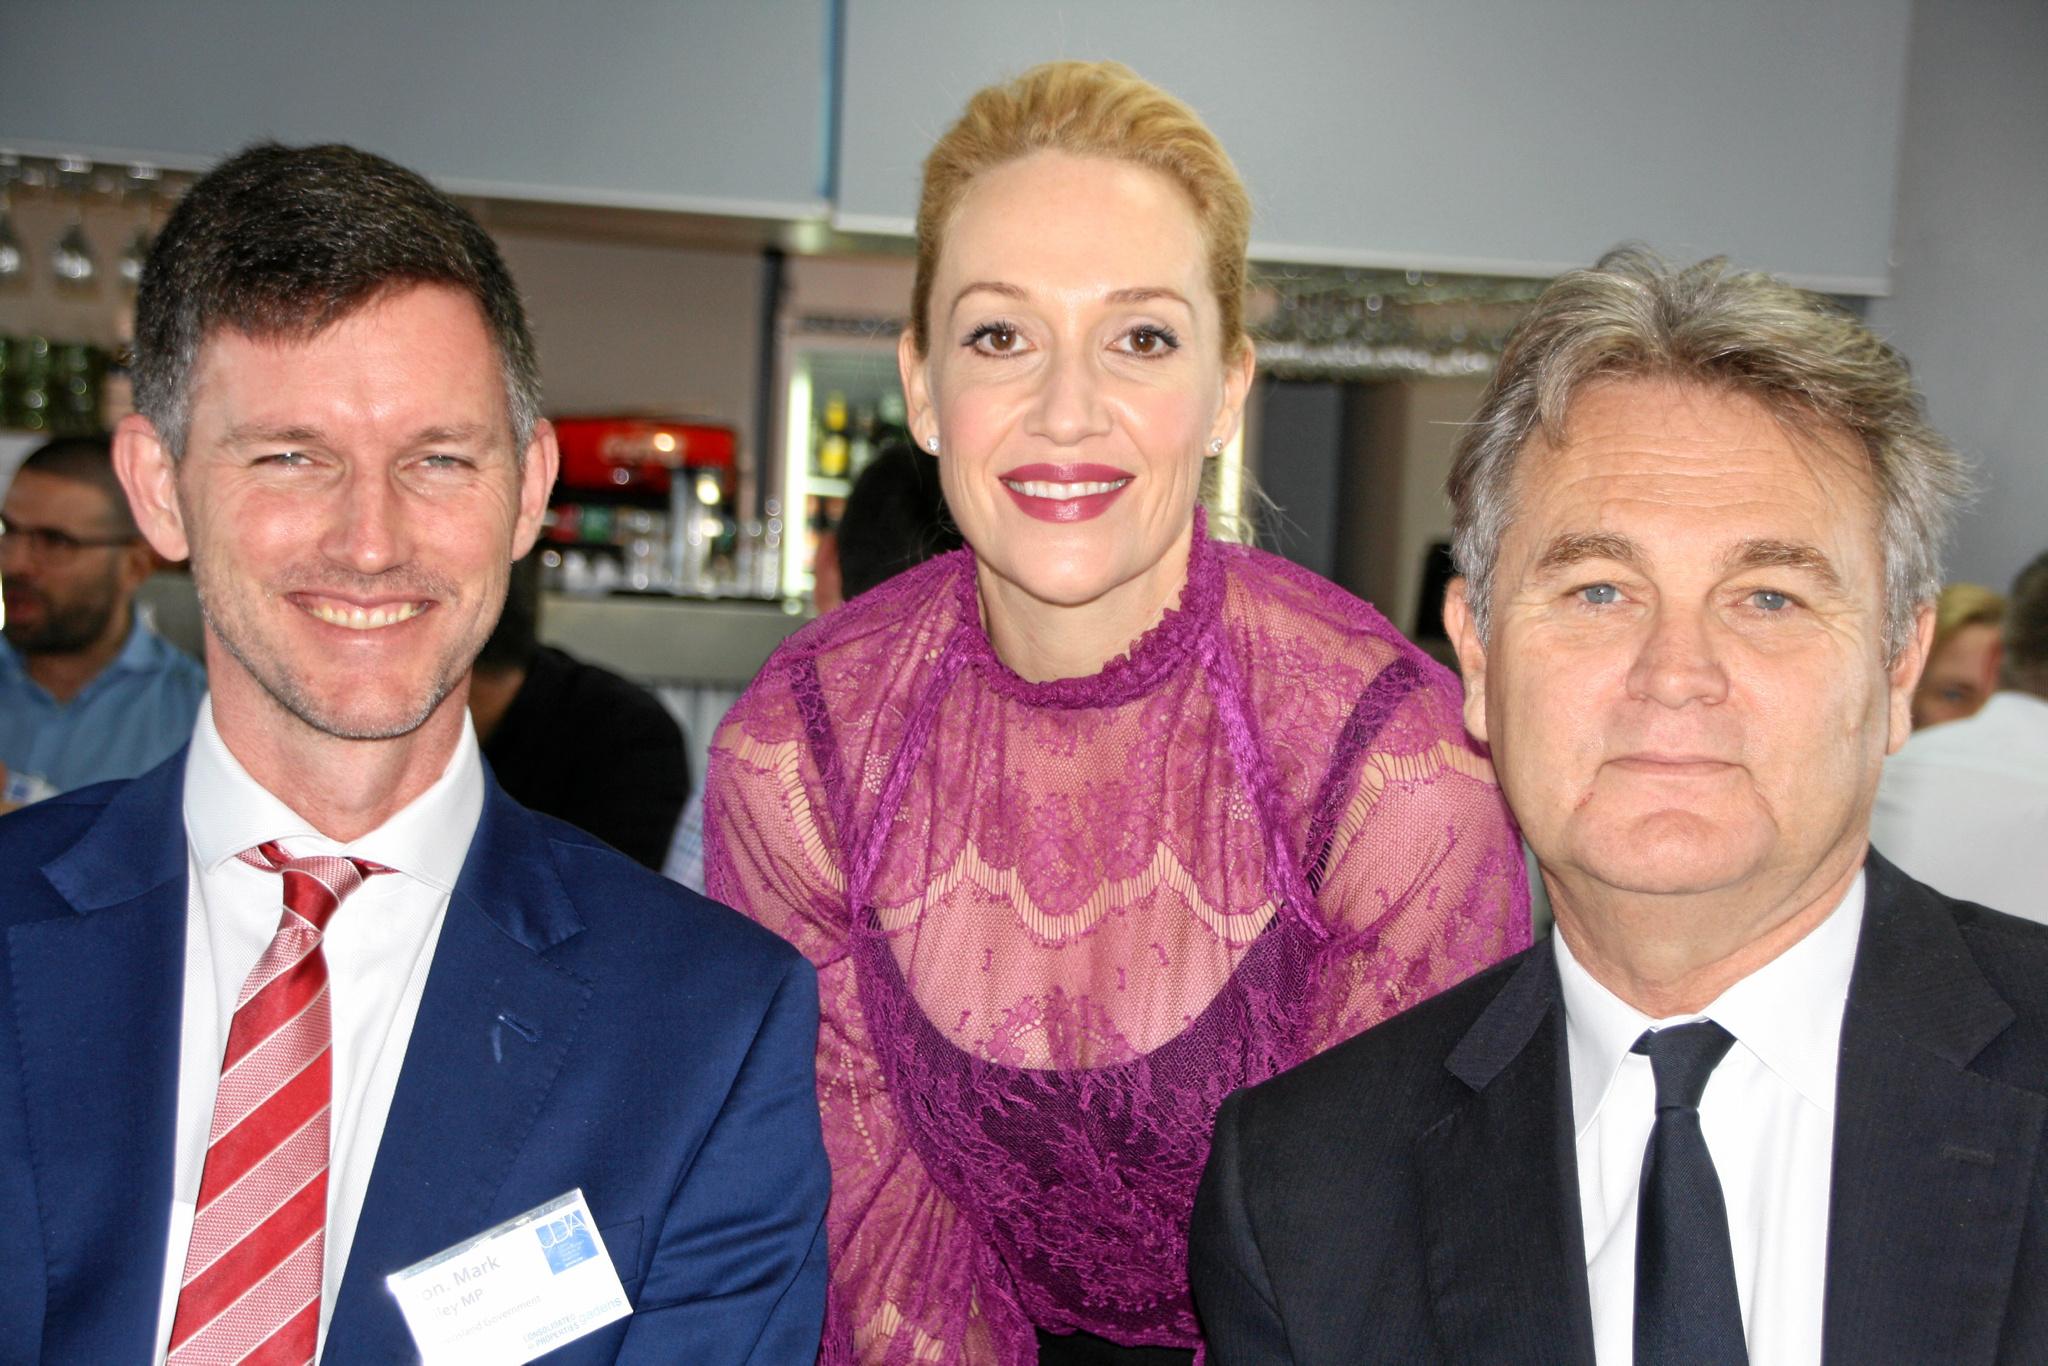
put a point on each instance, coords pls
(1687, 1311)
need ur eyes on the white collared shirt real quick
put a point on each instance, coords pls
(1964, 806)
(1768, 1115)
(378, 946)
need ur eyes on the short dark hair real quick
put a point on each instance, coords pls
(283, 241)
(85, 460)
(2026, 630)
(515, 640)
(895, 518)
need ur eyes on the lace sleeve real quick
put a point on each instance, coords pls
(911, 1282)
(1421, 879)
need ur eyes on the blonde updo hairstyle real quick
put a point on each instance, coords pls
(1088, 109)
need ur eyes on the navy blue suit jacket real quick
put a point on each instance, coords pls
(1412, 1196)
(585, 1024)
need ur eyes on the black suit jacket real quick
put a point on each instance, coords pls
(1412, 1196)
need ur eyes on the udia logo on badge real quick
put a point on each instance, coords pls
(513, 1292)
(567, 1241)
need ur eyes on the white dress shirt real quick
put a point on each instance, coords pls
(1964, 806)
(379, 945)
(1768, 1115)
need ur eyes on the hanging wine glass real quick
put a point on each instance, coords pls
(71, 259)
(12, 262)
(140, 185)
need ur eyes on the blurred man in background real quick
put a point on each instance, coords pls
(1964, 806)
(88, 691)
(895, 519)
(574, 741)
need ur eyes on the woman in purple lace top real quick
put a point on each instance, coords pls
(1098, 819)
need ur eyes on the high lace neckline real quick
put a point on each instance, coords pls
(1157, 654)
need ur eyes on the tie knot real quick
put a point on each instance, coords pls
(1682, 1058)
(315, 886)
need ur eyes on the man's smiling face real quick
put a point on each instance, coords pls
(352, 503)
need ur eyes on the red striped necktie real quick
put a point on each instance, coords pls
(251, 1288)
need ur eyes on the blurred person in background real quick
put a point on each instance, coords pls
(1962, 669)
(895, 519)
(572, 740)
(1964, 806)
(1099, 818)
(88, 691)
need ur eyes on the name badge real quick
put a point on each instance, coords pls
(513, 1292)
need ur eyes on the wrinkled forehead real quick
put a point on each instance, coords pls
(1662, 459)
(421, 346)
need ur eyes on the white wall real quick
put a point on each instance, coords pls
(1512, 136)
(1400, 436)
(1969, 305)
(705, 105)
(623, 327)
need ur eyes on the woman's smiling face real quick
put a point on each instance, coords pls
(1076, 377)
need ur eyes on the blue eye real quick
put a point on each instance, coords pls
(1599, 594)
(1770, 600)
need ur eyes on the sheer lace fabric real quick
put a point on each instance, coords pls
(1055, 924)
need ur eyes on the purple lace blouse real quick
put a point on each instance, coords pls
(1056, 923)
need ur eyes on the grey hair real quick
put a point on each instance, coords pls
(1814, 367)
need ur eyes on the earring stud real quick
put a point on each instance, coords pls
(1216, 446)
(931, 443)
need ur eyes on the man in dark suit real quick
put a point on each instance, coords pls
(314, 1001)
(1761, 1096)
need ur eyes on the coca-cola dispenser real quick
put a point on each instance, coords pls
(645, 505)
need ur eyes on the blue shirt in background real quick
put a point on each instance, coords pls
(129, 719)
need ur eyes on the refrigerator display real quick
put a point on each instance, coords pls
(843, 403)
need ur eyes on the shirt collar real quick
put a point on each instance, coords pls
(227, 811)
(143, 649)
(1788, 1013)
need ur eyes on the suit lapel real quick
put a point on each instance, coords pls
(1932, 1161)
(1506, 1258)
(495, 1023)
(99, 998)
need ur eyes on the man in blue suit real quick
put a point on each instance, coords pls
(314, 1001)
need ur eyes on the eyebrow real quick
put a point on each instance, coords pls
(1145, 294)
(1768, 554)
(460, 432)
(1131, 294)
(257, 434)
(1576, 547)
(1008, 291)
